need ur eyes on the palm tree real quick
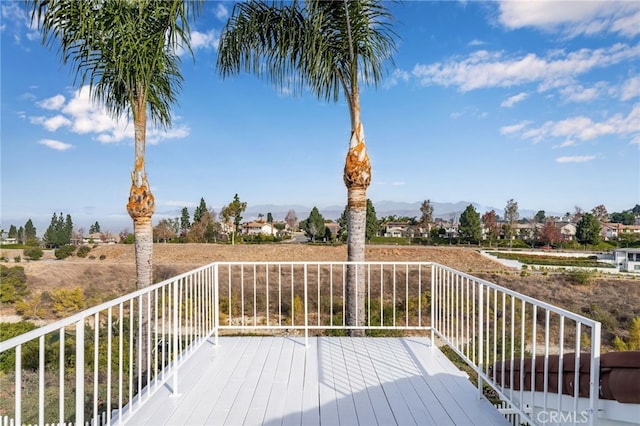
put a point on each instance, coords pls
(125, 50)
(326, 47)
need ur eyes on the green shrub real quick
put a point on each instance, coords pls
(582, 276)
(64, 251)
(29, 349)
(83, 251)
(17, 259)
(33, 253)
(67, 301)
(103, 256)
(13, 284)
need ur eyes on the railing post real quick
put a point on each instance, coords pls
(176, 307)
(594, 374)
(80, 372)
(306, 310)
(433, 302)
(480, 337)
(216, 307)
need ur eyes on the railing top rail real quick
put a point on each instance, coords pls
(568, 314)
(46, 329)
(324, 262)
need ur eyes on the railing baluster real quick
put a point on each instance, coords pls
(120, 362)
(61, 387)
(41, 380)
(480, 336)
(109, 362)
(306, 307)
(80, 372)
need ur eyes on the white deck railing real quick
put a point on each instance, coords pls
(502, 334)
(133, 345)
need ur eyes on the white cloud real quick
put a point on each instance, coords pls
(576, 159)
(82, 116)
(398, 183)
(515, 128)
(566, 144)
(221, 12)
(630, 89)
(476, 42)
(397, 76)
(484, 69)
(54, 123)
(208, 40)
(53, 103)
(578, 93)
(54, 144)
(155, 136)
(572, 18)
(511, 101)
(179, 203)
(583, 128)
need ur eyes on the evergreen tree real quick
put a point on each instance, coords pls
(588, 229)
(469, 227)
(199, 211)
(49, 238)
(184, 222)
(67, 230)
(233, 212)
(29, 230)
(59, 231)
(94, 228)
(314, 225)
(343, 221)
(269, 217)
(372, 221)
(13, 232)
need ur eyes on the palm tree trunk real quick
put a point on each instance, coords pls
(140, 207)
(357, 177)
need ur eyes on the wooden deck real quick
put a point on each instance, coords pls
(333, 381)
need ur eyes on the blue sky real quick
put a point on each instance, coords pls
(488, 101)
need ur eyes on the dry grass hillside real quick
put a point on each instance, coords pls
(110, 271)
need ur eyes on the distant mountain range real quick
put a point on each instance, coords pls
(446, 211)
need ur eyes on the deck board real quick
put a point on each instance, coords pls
(333, 381)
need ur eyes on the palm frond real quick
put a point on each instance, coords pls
(325, 46)
(125, 50)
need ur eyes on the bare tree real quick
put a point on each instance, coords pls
(427, 216)
(490, 223)
(601, 213)
(291, 219)
(511, 217)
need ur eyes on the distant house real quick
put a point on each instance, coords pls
(568, 231)
(333, 228)
(257, 228)
(610, 231)
(628, 259)
(101, 238)
(396, 229)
